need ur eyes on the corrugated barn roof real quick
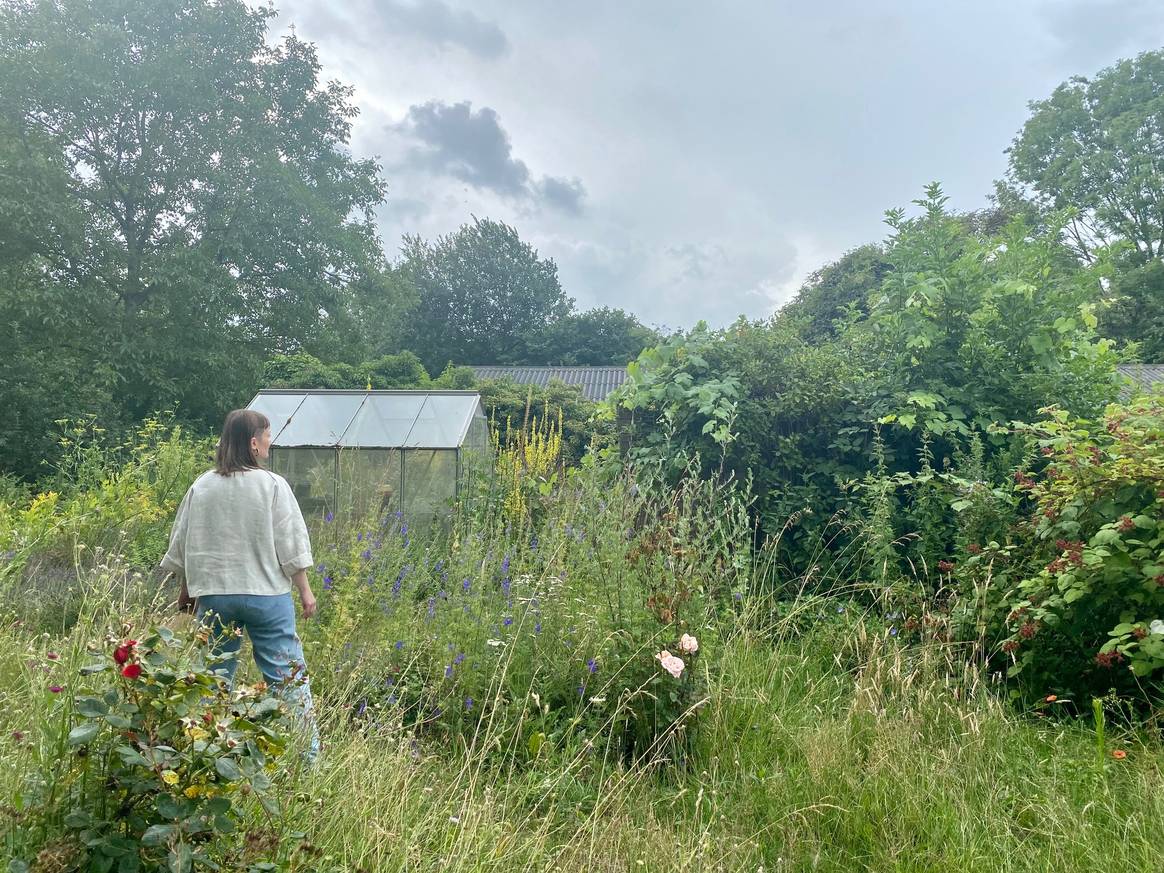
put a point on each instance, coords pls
(597, 382)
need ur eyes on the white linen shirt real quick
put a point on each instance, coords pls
(238, 534)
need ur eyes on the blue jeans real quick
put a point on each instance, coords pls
(269, 621)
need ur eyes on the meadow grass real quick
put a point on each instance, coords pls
(827, 746)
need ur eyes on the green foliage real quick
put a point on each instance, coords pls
(149, 758)
(484, 295)
(596, 337)
(963, 335)
(1092, 147)
(104, 499)
(538, 632)
(838, 291)
(1089, 614)
(1136, 313)
(205, 210)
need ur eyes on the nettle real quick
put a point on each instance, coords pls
(1096, 605)
(159, 756)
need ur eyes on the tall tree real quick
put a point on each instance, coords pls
(1098, 145)
(834, 290)
(485, 296)
(596, 337)
(218, 216)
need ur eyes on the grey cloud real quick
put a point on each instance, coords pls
(429, 21)
(439, 23)
(564, 194)
(471, 145)
(1091, 30)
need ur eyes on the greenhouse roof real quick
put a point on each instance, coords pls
(597, 383)
(368, 419)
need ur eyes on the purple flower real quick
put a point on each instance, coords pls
(399, 645)
(330, 517)
(366, 554)
(508, 620)
(431, 607)
(537, 627)
(505, 565)
(403, 529)
(893, 631)
(468, 703)
(592, 666)
(505, 587)
(391, 699)
(327, 583)
(359, 536)
(460, 659)
(362, 708)
(448, 671)
(465, 585)
(533, 544)
(582, 689)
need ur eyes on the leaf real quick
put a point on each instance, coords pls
(83, 733)
(158, 835)
(92, 707)
(228, 769)
(180, 859)
(90, 669)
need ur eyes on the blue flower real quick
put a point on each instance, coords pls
(460, 659)
(391, 698)
(448, 671)
(399, 645)
(505, 587)
(359, 536)
(533, 544)
(508, 620)
(366, 554)
(363, 708)
(582, 689)
(403, 529)
(330, 517)
(893, 631)
(465, 585)
(537, 627)
(505, 565)
(327, 582)
(592, 666)
(431, 607)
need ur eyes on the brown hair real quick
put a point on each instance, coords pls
(234, 446)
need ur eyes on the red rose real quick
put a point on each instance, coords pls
(131, 671)
(121, 653)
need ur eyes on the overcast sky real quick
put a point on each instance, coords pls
(690, 159)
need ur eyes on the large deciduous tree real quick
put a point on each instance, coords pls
(209, 213)
(1098, 145)
(485, 296)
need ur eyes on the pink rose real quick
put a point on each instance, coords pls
(688, 645)
(671, 663)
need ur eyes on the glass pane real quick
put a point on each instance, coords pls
(369, 481)
(279, 408)
(442, 421)
(384, 420)
(321, 420)
(430, 483)
(311, 475)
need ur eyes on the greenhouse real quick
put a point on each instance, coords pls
(356, 452)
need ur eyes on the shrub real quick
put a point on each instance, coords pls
(1089, 613)
(150, 760)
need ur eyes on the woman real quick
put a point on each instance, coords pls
(238, 545)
